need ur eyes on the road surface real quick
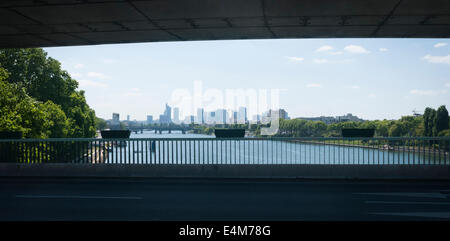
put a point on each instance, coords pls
(195, 199)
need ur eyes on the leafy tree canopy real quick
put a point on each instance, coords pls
(30, 80)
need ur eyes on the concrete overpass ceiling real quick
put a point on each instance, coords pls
(33, 23)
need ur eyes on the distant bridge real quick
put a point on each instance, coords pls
(160, 129)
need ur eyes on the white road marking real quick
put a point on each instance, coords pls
(413, 203)
(445, 215)
(76, 197)
(408, 194)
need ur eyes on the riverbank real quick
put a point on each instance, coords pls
(385, 147)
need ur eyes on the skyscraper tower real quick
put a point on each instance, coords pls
(176, 115)
(200, 116)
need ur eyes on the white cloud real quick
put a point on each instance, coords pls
(313, 85)
(296, 59)
(75, 75)
(356, 49)
(135, 92)
(98, 75)
(372, 95)
(438, 45)
(336, 53)
(321, 61)
(109, 61)
(324, 48)
(427, 92)
(90, 83)
(437, 59)
(447, 84)
(327, 61)
(353, 87)
(78, 66)
(383, 49)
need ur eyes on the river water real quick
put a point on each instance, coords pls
(245, 151)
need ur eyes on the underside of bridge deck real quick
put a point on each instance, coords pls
(43, 23)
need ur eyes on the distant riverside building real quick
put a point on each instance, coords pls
(115, 119)
(266, 118)
(211, 117)
(242, 115)
(166, 117)
(128, 117)
(149, 119)
(332, 119)
(190, 119)
(115, 122)
(176, 115)
(221, 116)
(348, 117)
(234, 117)
(200, 116)
(256, 118)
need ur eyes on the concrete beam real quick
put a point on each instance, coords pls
(26, 23)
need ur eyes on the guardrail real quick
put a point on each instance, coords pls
(308, 150)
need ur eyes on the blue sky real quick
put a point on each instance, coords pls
(370, 78)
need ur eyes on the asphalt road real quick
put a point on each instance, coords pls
(190, 199)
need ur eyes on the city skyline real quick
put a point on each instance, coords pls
(232, 117)
(371, 78)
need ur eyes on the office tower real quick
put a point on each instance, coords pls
(176, 115)
(242, 115)
(200, 116)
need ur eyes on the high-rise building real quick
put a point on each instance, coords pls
(267, 116)
(176, 115)
(211, 117)
(189, 119)
(115, 118)
(234, 118)
(115, 122)
(166, 117)
(242, 115)
(200, 116)
(256, 118)
(128, 117)
(221, 116)
(149, 119)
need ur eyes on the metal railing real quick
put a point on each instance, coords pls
(364, 151)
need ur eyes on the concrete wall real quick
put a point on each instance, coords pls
(417, 172)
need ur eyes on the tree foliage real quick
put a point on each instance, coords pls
(41, 99)
(405, 126)
(428, 120)
(440, 121)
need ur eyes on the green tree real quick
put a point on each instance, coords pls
(56, 123)
(18, 111)
(428, 121)
(42, 78)
(440, 120)
(100, 124)
(397, 130)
